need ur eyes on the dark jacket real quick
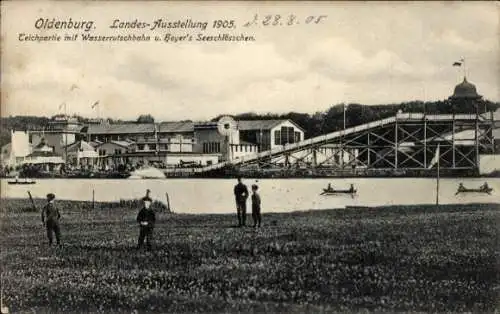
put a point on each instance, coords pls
(240, 192)
(147, 215)
(50, 213)
(256, 200)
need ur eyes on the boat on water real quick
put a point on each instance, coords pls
(328, 192)
(147, 173)
(482, 189)
(331, 191)
(21, 182)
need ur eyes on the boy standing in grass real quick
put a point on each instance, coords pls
(50, 217)
(146, 219)
(256, 206)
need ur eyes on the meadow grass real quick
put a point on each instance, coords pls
(412, 258)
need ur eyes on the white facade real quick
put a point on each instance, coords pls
(243, 149)
(178, 144)
(111, 148)
(16, 151)
(58, 140)
(298, 134)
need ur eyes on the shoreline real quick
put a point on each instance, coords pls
(16, 205)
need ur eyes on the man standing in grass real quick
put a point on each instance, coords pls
(50, 217)
(241, 195)
(146, 219)
(148, 196)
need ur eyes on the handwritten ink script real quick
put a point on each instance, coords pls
(162, 29)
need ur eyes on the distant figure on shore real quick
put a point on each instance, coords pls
(351, 189)
(329, 188)
(241, 195)
(146, 219)
(256, 207)
(461, 186)
(485, 186)
(50, 217)
(147, 198)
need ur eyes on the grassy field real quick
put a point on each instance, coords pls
(385, 259)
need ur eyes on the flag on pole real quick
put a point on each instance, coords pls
(95, 104)
(435, 159)
(61, 105)
(74, 86)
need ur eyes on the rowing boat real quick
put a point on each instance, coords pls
(479, 190)
(21, 182)
(333, 192)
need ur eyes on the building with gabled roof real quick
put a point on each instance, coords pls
(268, 134)
(81, 153)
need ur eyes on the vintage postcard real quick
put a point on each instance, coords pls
(254, 157)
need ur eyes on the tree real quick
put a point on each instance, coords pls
(145, 118)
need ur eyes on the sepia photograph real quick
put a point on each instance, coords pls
(250, 157)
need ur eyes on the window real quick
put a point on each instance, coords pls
(297, 137)
(140, 146)
(284, 135)
(152, 146)
(211, 147)
(277, 137)
(291, 135)
(118, 151)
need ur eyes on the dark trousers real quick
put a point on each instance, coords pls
(241, 208)
(53, 227)
(145, 232)
(256, 216)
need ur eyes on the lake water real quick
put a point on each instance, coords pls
(278, 195)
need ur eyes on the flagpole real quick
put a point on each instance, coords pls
(344, 116)
(437, 177)
(465, 70)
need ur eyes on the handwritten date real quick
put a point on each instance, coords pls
(288, 20)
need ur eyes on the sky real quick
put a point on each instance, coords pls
(363, 52)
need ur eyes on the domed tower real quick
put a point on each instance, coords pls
(465, 98)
